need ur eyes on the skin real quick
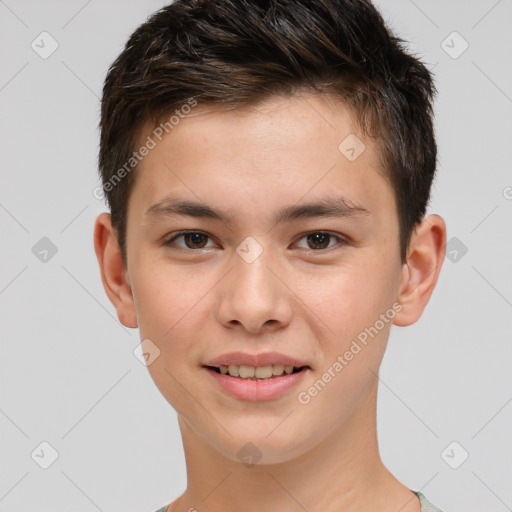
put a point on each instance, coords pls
(297, 298)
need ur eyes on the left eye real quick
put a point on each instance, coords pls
(316, 240)
(320, 240)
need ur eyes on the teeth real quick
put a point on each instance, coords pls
(243, 371)
(278, 369)
(261, 372)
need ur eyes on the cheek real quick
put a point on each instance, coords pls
(346, 308)
(172, 306)
(348, 298)
(168, 304)
(166, 293)
(351, 306)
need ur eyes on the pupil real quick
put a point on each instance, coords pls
(196, 239)
(318, 238)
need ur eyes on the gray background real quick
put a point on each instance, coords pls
(68, 375)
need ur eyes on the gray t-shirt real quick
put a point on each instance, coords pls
(426, 506)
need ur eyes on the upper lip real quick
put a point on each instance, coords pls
(256, 360)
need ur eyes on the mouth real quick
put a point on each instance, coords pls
(268, 372)
(257, 383)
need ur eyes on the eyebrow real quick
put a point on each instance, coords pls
(337, 206)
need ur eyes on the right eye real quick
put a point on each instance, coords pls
(194, 240)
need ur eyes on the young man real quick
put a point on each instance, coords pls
(268, 165)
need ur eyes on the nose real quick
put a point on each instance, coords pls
(254, 296)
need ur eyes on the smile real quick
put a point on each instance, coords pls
(260, 372)
(257, 383)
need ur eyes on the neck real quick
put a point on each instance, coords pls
(342, 472)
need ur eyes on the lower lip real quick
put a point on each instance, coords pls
(248, 389)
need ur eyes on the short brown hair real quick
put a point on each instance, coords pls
(232, 53)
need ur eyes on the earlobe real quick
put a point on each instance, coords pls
(114, 276)
(421, 270)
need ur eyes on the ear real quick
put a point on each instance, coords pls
(421, 269)
(114, 276)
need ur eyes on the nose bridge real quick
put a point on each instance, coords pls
(253, 295)
(253, 281)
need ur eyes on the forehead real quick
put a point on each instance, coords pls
(265, 155)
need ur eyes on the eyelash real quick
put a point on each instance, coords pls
(341, 241)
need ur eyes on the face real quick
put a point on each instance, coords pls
(311, 285)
